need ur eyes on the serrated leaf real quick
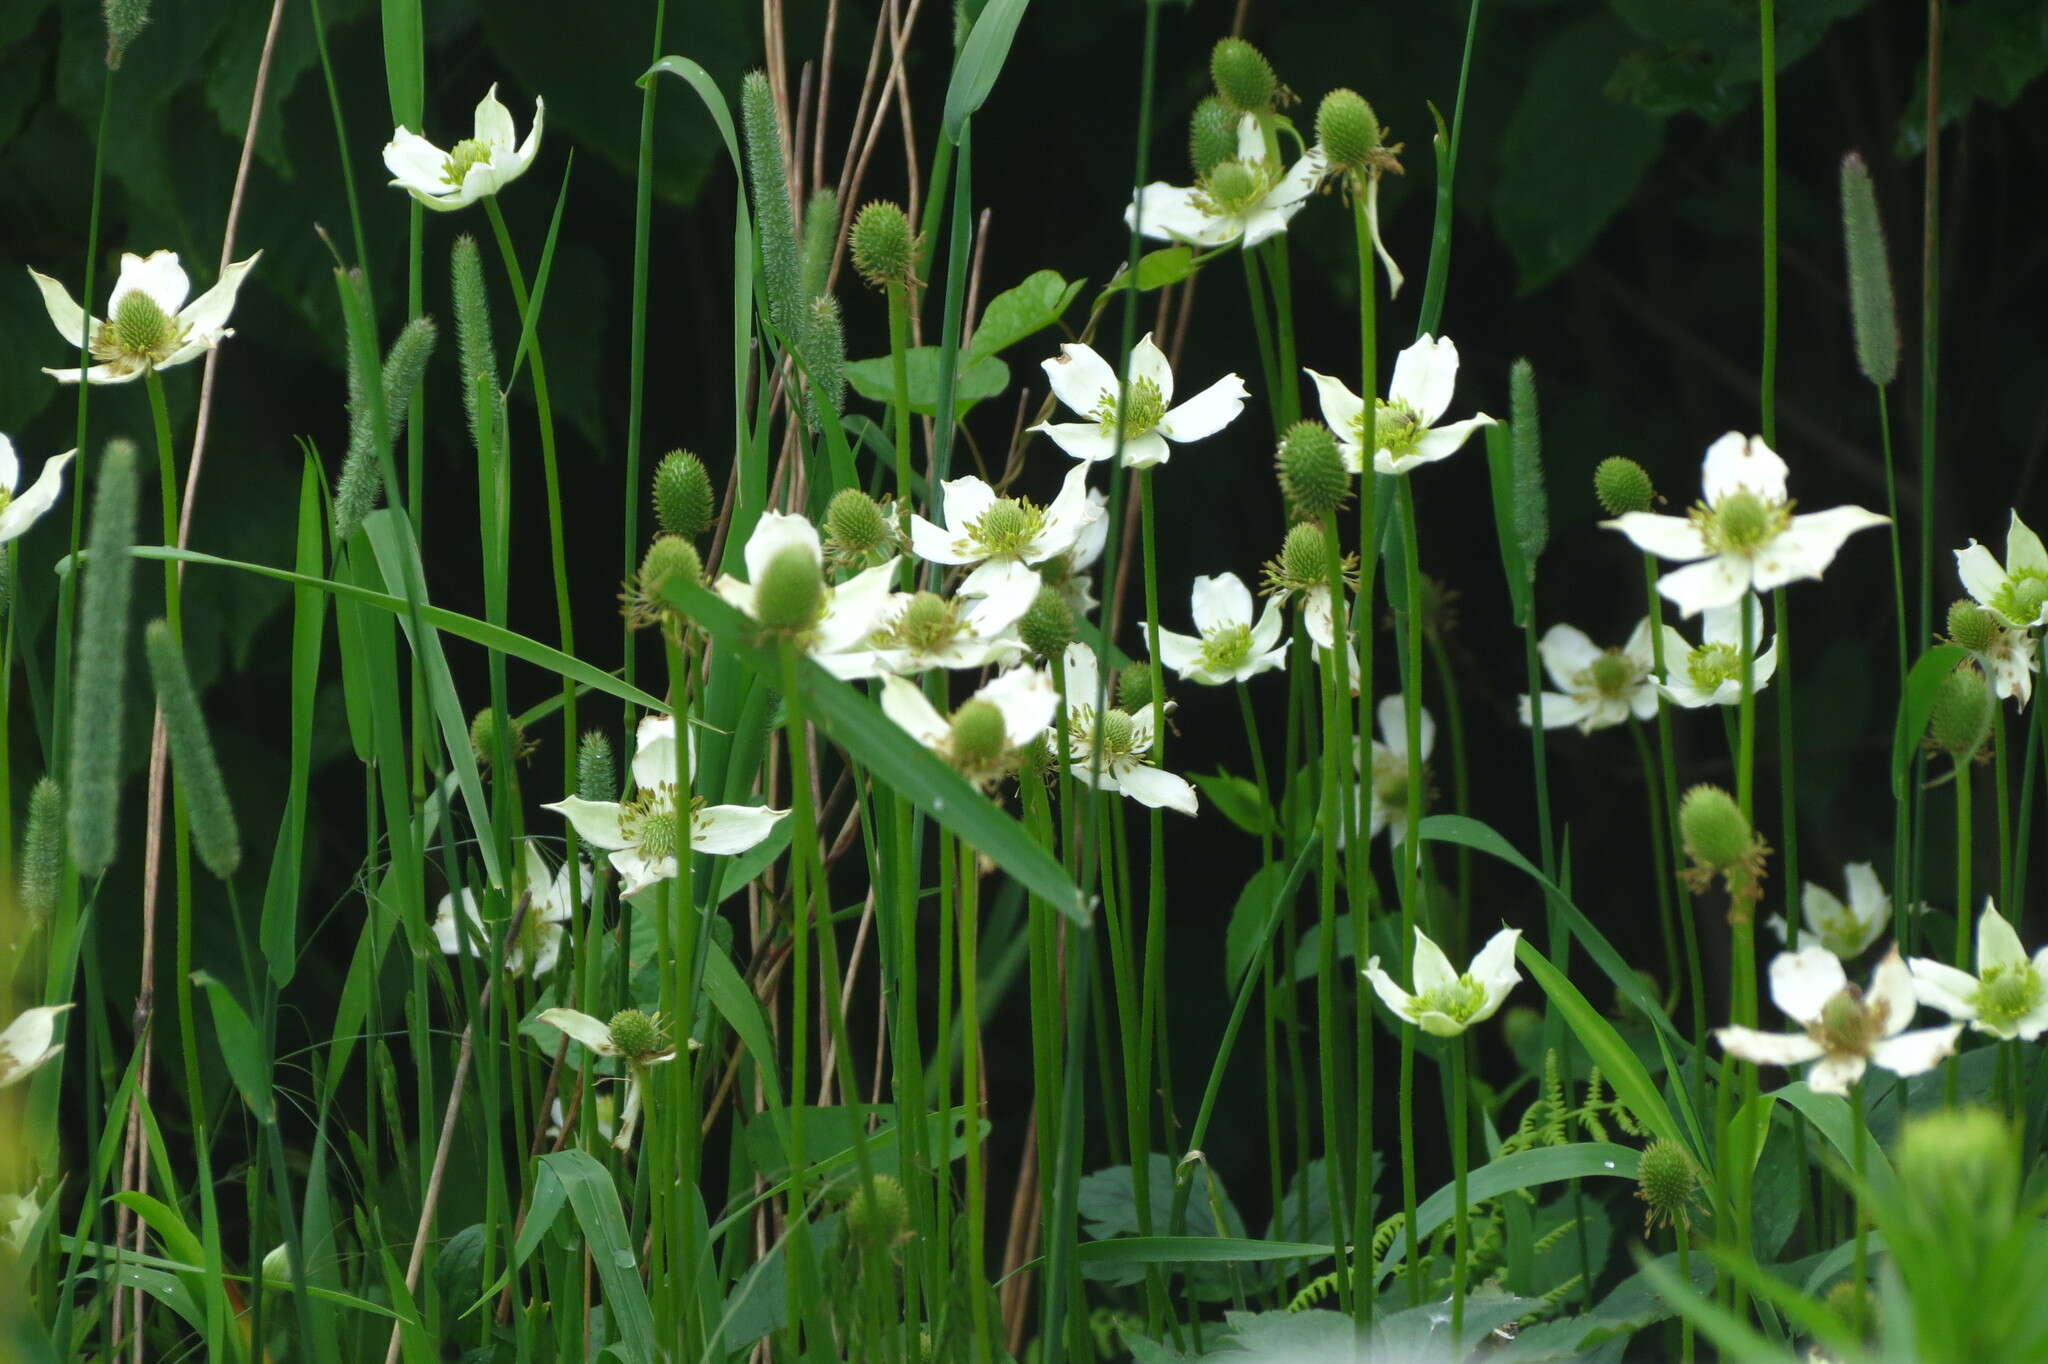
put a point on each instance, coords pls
(978, 377)
(1016, 313)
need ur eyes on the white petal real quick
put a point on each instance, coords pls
(1149, 362)
(1006, 588)
(1566, 652)
(158, 275)
(515, 164)
(1667, 537)
(98, 374)
(596, 821)
(1916, 1053)
(1723, 624)
(450, 933)
(1317, 617)
(493, 121)
(1997, 944)
(1397, 999)
(1718, 581)
(726, 829)
(1251, 139)
(1803, 982)
(415, 163)
(1981, 575)
(937, 546)
(1818, 905)
(1070, 513)
(581, 1027)
(775, 532)
(65, 314)
(1867, 900)
(1343, 410)
(1182, 653)
(10, 467)
(1080, 674)
(1082, 440)
(963, 501)
(1170, 213)
(1941, 986)
(1767, 1048)
(1220, 601)
(2023, 548)
(1494, 969)
(654, 752)
(1395, 279)
(27, 1043)
(854, 608)
(1431, 969)
(1424, 376)
(1208, 412)
(1027, 700)
(904, 702)
(208, 315)
(1150, 786)
(1146, 451)
(1810, 545)
(1891, 991)
(1734, 464)
(1559, 710)
(1080, 378)
(1835, 1074)
(23, 511)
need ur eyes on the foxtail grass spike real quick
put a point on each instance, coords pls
(1532, 501)
(597, 778)
(821, 240)
(1872, 309)
(362, 476)
(42, 851)
(214, 834)
(100, 693)
(125, 21)
(781, 270)
(824, 355)
(473, 342)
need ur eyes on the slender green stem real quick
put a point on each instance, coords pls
(1461, 1121)
(1411, 859)
(1767, 66)
(1660, 854)
(636, 371)
(1667, 765)
(1964, 775)
(1788, 786)
(1329, 1056)
(1361, 889)
(970, 1053)
(804, 1300)
(899, 388)
(1930, 314)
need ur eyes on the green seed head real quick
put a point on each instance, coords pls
(463, 155)
(979, 740)
(654, 826)
(1667, 1181)
(1622, 486)
(1847, 1026)
(1961, 714)
(1518, 1021)
(1142, 408)
(884, 251)
(683, 503)
(1312, 473)
(670, 557)
(1233, 188)
(2021, 598)
(1305, 558)
(1244, 78)
(791, 593)
(1347, 130)
(878, 1216)
(1613, 673)
(1212, 135)
(927, 624)
(1741, 523)
(1048, 625)
(596, 776)
(483, 738)
(1006, 530)
(1715, 832)
(140, 332)
(1226, 647)
(1855, 1307)
(1971, 625)
(1117, 733)
(1710, 665)
(2007, 995)
(1134, 687)
(1959, 1170)
(635, 1034)
(855, 524)
(42, 851)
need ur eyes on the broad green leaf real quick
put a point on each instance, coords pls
(1522, 1170)
(1990, 50)
(1238, 799)
(1157, 269)
(979, 377)
(1250, 918)
(1194, 1249)
(1937, 663)
(979, 63)
(1737, 1340)
(240, 1047)
(1016, 313)
(1830, 1115)
(741, 1010)
(596, 1203)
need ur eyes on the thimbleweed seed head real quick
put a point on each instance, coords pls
(1048, 624)
(878, 1215)
(1959, 1173)
(1961, 714)
(855, 525)
(1212, 135)
(1312, 473)
(635, 1034)
(979, 740)
(483, 738)
(1667, 1181)
(1720, 841)
(670, 559)
(1518, 1021)
(1347, 130)
(1304, 558)
(1134, 687)
(1623, 486)
(597, 778)
(683, 501)
(1972, 626)
(1244, 78)
(791, 592)
(884, 251)
(1855, 1307)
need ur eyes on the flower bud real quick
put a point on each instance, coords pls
(1244, 78)
(979, 740)
(683, 500)
(1715, 832)
(277, 1268)
(1959, 1173)
(1312, 473)
(1212, 135)
(1666, 1181)
(1961, 714)
(635, 1034)
(884, 251)
(1623, 486)
(790, 592)
(1972, 626)
(1347, 130)
(855, 525)
(596, 777)
(1134, 688)
(1048, 624)
(483, 738)
(878, 1214)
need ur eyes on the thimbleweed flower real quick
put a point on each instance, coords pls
(1742, 530)
(983, 737)
(538, 944)
(479, 165)
(1145, 420)
(1003, 537)
(26, 1044)
(1445, 1003)
(1125, 741)
(1711, 674)
(1388, 775)
(1302, 569)
(2007, 998)
(1622, 486)
(1959, 717)
(2018, 590)
(149, 325)
(1312, 473)
(919, 630)
(1845, 1029)
(1246, 197)
(785, 588)
(1232, 646)
(1668, 1182)
(630, 1035)
(1845, 930)
(1718, 838)
(1596, 687)
(643, 835)
(1404, 432)
(683, 501)
(2009, 657)
(18, 513)
(1354, 148)
(856, 527)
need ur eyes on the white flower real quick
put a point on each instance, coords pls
(539, 944)
(2018, 592)
(1845, 1028)
(643, 836)
(1596, 687)
(1125, 739)
(1004, 536)
(18, 1215)
(1232, 646)
(26, 1044)
(149, 325)
(2010, 658)
(1445, 1003)
(476, 166)
(1246, 196)
(1844, 930)
(2008, 997)
(1404, 430)
(982, 737)
(605, 1107)
(1084, 381)
(848, 612)
(596, 1036)
(1388, 778)
(920, 630)
(1742, 529)
(1711, 675)
(17, 514)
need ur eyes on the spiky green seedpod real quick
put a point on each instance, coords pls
(473, 343)
(597, 775)
(1244, 78)
(670, 559)
(125, 20)
(1972, 626)
(1212, 135)
(1048, 624)
(362, 472)
(790, 591)
(821, 240)
(1959, 1175)
(636, 1035)
(884, 250)
(1872, 309)
(483, 738)
(1304, 557)
(768, 182)
(1134, 688)
(42, 851)
(1960, 717)
(978, 739)
(1715, 832)
(683, 501)
(1312, 473)
(1667, 1181)
(100, 690)
(878, 1214)
(855, 525)
(1622, 486)
(214, 834)
(1347, 130)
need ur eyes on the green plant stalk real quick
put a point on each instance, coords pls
(1411, 858)
(1287, 392)
(1767, 66)
(1861, 1130)
(1901, 810)
(680, 977)
(970, 1084)
(2036, 742)
(1461, 777)
(907, 1078)
(805, 1297)
(1930, 314)
(1660, 851)
(1154, 961)
(1739, 1170)
(1342, 1193)
(2001, 803)
(1667, 764)
(1788, 787)
(1461, 1121)
(1963, 777)
(899, 383)
(1262, 334)
(636, 343)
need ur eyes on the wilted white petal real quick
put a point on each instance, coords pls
(1803, 982)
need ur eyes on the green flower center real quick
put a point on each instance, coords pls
(1395, 428)
(1007, 528)
(635, 1034)
(928, 624)
(979, 740)
(1612, 675)
(1847, 1025)
(1741, 523)
(1457, 1001)
(1390, 780)
(1712, 664)
(140, 331)
(2008, 994)
(466, 153)
(654, 826)
(1841, 934)
(1234, 188)
(1226, 647)
(1118, 733)
(2022, 595)
(1143, 406)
